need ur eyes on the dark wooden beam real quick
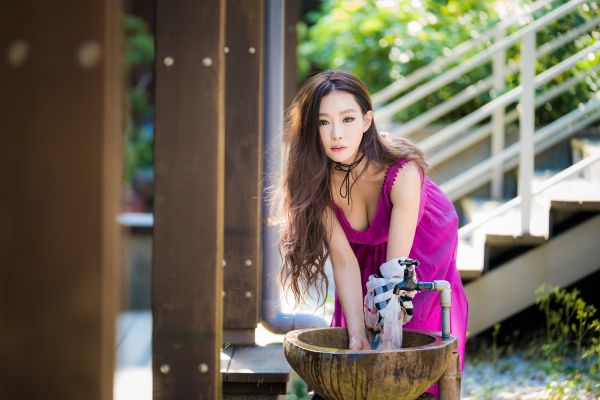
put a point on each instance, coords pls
(243, 168)
(290, 43)
(60, 104)
(188, 211)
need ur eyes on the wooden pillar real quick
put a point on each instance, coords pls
(292, 13)
(449, 384)
(188, 212)
(243, 168)
(60, 104)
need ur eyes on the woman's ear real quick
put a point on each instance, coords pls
(367, 119)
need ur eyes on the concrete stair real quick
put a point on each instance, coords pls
(500, 239)
(507, 290)
(563, 245)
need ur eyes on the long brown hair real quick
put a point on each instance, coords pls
(304, 189)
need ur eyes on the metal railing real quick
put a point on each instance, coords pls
(456, 146)
(453, 55)
(478, 88)
(450, 132)
(515, 202)
(463, 133)
(544, 138)
(387, 111)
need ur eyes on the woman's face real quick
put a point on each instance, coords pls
(342, 125)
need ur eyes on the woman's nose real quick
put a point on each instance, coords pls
(335, 132)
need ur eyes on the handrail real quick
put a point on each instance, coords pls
(479, 87)
(387, 111)
(434, 66)
(481, 179)
(544, 137)
(467, 121)
(475, 136)
(564, 174)
(530, 142)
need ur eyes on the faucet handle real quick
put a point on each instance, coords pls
(408, 262)
(394, 267)
(409, 267)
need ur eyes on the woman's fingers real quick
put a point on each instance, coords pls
(359, 343)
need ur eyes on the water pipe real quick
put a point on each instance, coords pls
(441, 286)
(272, 316)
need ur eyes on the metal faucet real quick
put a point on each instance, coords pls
(441, 286)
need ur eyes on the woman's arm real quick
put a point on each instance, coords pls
(406, 194)
(346, 274)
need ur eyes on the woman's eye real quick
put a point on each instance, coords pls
(323, 122)
(349, 119)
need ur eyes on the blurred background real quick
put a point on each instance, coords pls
(503, 97)
(404, 51)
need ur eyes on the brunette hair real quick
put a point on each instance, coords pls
(304, 190)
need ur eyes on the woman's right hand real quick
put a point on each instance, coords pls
(359, 342)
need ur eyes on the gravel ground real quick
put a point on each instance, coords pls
(515, 377)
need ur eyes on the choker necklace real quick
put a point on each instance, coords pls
(347, 168)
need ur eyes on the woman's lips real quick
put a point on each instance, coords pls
(337, 148)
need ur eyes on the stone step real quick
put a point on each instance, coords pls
(500, 239)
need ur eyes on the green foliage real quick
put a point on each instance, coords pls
(565, 361)
(139, 44)
(572, 328)
(592, 351)
(299, 389)
(579, 93)
(383, 41)
(138, 59)
(495, 344)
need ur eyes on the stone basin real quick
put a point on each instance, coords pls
(322, 359)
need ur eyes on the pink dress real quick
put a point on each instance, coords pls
(434, 245)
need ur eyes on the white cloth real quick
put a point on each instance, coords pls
(381, 289)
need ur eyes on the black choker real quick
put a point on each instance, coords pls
(347, 168)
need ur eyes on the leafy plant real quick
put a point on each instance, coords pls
(562, 365)
(138, 59)
(592, 351)
(495, 344)
(299, 389)
(384, 40)
(571, 324)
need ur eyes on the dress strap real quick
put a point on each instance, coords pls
(390, 176)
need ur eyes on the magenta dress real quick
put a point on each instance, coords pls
(434, 245)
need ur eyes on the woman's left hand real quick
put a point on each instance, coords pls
(359, 342)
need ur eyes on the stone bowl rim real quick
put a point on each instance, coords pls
(438, 342)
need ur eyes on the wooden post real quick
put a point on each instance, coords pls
(243, 168)
(292, 11)
(60, 103)
(449, 383)
(189, 200)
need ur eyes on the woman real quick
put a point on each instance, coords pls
(362, 199)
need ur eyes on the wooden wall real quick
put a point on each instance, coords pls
(60, 106)
(189, 199)
(243, 168)
(60, 172)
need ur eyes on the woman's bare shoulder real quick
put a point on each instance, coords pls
(408, 181)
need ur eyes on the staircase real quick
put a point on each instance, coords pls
(548, 233)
